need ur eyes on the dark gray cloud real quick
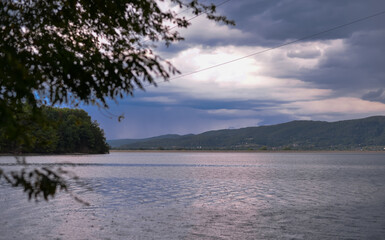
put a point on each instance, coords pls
(271, 22)
(376, 95)
(287, 19)
(356, 69)
(359, 66)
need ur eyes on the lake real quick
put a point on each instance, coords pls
(206, 195)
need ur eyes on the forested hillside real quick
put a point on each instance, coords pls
(368, 133)
(61, 130)
(120, 142)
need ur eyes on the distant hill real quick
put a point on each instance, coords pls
(367, 134)
(120, 142)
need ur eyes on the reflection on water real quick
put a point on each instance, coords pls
(206, 196)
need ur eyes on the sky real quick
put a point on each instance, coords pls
(334, 76)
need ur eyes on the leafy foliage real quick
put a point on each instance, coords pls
(72, 52)
(36, 183)
(59, 130)
(40, 183)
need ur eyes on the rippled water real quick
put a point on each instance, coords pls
(183, 195)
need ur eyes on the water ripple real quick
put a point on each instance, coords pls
(276, 197)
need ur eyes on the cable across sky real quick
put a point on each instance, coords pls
(281, 45)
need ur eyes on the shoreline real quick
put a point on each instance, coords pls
(48, 154)
(248, 151)
(196, 151)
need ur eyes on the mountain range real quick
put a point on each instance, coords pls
(358, 134)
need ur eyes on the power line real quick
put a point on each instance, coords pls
(281, 45)
(111, 115)
(275, 47)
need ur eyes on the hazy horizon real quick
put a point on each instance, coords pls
(232, 128)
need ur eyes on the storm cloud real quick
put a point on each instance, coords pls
(333, 76)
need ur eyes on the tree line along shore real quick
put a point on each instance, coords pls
(58, 131)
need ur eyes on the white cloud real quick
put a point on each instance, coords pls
(263, 77)
(232, 112)
(203, 30)
(306, 54)
(316, 79)
(342, 105)
(159, 99)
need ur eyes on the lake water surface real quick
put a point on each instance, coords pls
(206, 195)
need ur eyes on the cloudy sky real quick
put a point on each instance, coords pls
(334, 76)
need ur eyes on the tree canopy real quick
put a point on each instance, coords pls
(64, 131)
(81, 52)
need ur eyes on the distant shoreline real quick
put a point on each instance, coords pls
(47, 154)
(252, 151)
(193, 151)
